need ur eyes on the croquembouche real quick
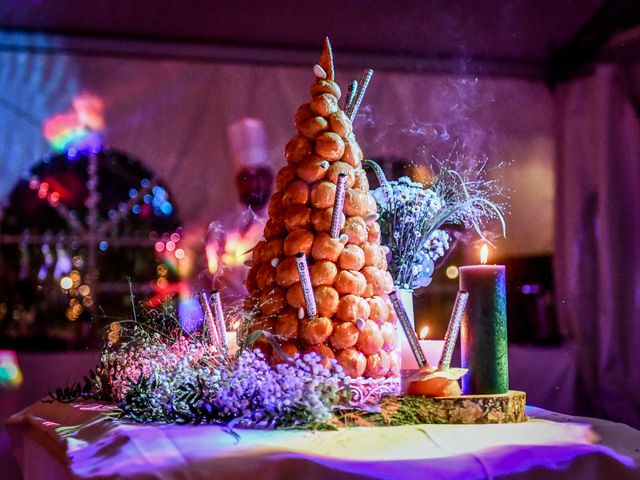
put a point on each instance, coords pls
(352, 319)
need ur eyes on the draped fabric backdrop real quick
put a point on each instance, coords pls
(173, 116)
(598, 237)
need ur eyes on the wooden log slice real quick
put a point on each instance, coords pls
(464, 409)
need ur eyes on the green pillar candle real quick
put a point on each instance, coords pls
(484, 330)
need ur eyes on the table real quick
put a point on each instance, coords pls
(82, 440)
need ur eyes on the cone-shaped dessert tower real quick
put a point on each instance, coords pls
(344, 313)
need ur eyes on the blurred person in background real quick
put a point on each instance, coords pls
(230, 239)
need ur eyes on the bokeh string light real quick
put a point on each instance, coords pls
(58, 180)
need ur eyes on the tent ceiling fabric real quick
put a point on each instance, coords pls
(522, 30)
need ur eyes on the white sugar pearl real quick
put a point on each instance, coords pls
(344, 238)
(300, 313)
(319, 72)
(275, 262)
(360, 324)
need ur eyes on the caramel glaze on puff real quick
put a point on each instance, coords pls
(352, 362)
(327, 299)
(315, 330)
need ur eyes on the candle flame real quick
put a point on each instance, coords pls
(424, 332)
(484, 254)
(212, 258)
(235, 249)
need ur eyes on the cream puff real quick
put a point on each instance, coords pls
(325, 86)
(327, 299)
(288, 350)
(379, 280)
(370, 340)
(393, 318)
(350, 281)
(323, 272)
(361, 181)
(378, 365)
(312, 127)
(374, 256)
(256, 253)
(251, 282)
(296, 192)
(285, 176)
(312, 168)
(352, 153)
(296, 150)
(340, 123)
(321, 220)
(339, 167)
(394, 358)
(351, 258)
(272, 249)
(389, 336)
(323, 194)
(275, 204)
(297, 216)
(330, 146)
(352, 362)
(352, 308)
(262, 322)
(379, 311)
(295, 296)
(345, 335)
(356, 230)
(356, 203)
(287, 272)
(266, 276)
(303, 113)
(374, 235)
(274, 228)
(286, 325)
(272, 301)
(315, 330)
(298, 241)
(324, 104)
(326, 248)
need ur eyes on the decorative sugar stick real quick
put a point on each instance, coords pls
(209, 321)
(353, 88)
(412, 338)
(307, 288)
(338, 205)
(453, 330)
(387, 189)
(219, 319)
(362, 87)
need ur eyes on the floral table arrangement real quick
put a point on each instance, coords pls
(318, 333)
(415, 218)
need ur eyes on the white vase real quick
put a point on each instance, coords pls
(407, 360)
(432, 349)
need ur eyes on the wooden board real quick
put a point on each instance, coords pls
(464, 409)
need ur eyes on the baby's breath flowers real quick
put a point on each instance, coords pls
(298, 393)
(158, 373)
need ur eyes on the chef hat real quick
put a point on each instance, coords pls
(248, 143)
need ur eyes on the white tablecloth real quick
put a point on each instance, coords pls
(63, 440)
